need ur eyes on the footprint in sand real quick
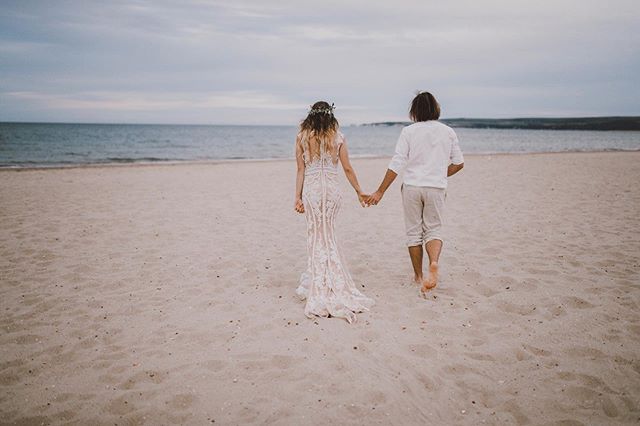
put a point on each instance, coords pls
(513, 308)
(586, 352)
(634, 329)
(556, 312)
(522, 355)
(480, 357)
(122, 405)
(215, 365)
(27, 339)
(485, 290)
(148, 376)
(422, 350)
(457, 369)
(537, 351)
(587, 398)
(471, 277)
(514, 409)
(576, 302)
(182, 401)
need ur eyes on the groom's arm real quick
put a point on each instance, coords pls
(454, 168)
(388, 179)
(456, 158)
(397, 164)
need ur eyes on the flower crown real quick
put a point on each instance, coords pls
(328, 110)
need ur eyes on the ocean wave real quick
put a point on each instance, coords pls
(138, 159)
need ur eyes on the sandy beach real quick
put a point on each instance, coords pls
(165, 294)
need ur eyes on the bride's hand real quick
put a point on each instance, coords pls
(361, 199)
(299, 206)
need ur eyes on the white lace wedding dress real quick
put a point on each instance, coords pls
(326, 285)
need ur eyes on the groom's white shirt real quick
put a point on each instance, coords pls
(424, 152)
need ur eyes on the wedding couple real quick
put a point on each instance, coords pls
(427, 152)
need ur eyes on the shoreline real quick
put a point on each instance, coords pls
(21, 168)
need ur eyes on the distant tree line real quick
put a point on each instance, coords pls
(580, 123)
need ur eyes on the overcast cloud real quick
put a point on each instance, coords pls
(264, 62)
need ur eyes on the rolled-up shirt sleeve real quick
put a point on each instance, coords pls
(401, 156)
(456, 154)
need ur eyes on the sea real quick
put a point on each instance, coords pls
(56, 144)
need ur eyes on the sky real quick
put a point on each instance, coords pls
(265, 62)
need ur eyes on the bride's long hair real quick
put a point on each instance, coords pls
(320, 119)
(320, 125)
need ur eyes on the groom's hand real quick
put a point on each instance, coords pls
(374, 198)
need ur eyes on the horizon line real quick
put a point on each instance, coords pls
(293, 125)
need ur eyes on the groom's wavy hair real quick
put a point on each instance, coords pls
(320, 120)
(424, 107)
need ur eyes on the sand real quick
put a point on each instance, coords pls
(164, 294)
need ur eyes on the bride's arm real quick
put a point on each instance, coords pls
(349, 172)
(298, 205)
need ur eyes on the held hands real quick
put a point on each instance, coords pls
(364, 200)
(374, 198)
(370, 200)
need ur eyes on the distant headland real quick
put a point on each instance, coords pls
(578, 123)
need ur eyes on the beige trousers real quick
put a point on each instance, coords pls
(423, 213)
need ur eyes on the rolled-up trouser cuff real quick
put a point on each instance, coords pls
(412, 242)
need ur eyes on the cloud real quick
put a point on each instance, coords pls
(164, 60)
(132, 101)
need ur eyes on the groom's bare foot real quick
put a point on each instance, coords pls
(432, 281)
(417, 279)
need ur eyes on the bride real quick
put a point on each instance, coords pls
(326, 285)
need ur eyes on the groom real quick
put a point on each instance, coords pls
(428, 152)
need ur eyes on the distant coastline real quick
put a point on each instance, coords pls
(578, 123)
